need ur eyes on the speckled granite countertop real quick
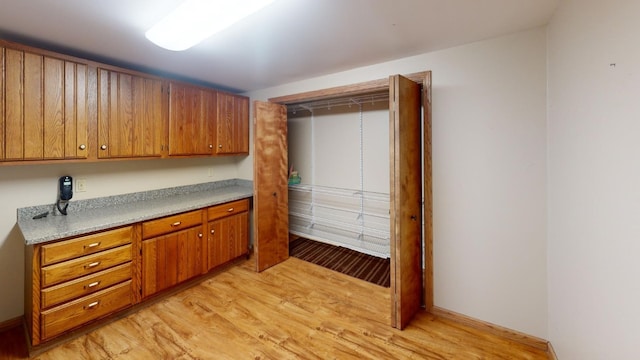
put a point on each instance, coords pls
(85, 216)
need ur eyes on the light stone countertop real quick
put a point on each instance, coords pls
(86, 216)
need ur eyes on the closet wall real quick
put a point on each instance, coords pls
(341, 151)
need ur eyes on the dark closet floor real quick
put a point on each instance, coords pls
(350, 262)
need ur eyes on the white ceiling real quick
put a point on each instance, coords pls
(290, 40)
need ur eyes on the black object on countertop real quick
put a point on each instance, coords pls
(40, 216)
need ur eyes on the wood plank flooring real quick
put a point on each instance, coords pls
(295, 310)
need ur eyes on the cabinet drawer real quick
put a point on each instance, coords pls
(171, 223)
(85, 309)
(71, 269)
(234, 207)
(73, 248)
(85, 285)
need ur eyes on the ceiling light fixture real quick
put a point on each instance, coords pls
(195, 20)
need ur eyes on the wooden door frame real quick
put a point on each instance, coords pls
(377, 86)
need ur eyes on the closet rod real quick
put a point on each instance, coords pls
(346, 101)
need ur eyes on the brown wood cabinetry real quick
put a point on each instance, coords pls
(131, 115)
(75, 281)
(75, 313)
(172, 251)
(227, 236)
(232, 130)
(56, 107)
(44, 107)
(192, 120)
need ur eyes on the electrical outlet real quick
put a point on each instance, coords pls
(210, 172)
(81, 185)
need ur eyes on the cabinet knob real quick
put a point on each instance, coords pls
(220, 146)
(103, 147)
(210, 146)
(82, 146)
(200, 235)
(93, 284)
(213, 231)
(92, 305)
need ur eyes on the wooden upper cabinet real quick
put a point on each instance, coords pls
(57, 107)
(131, 115)
(192, 119)
(232, 130)
(43, 107)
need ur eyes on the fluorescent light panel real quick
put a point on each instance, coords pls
(195, 20)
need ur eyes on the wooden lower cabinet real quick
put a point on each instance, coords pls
(227, 239)
(228, 232)
(77, 281)
(74, 289)
(75, 313)
(170, 259)
(73, 282)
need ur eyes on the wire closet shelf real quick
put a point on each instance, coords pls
(351, 218)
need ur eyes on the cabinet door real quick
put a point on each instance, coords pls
(45, 107)
(238, 235)
(171, 259)
(131, 115)
(217, 248)
(232, 130)
(228, 239)
(192, 118)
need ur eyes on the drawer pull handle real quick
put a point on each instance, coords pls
(93, 284)
(92, 245)
(93, 264)
(177, 223)
(92, 305)
(230, 210)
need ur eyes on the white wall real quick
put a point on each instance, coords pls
(594, 179)
(28, 185)
(489, 173)
(328, 153)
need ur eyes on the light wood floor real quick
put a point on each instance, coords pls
(295, 310)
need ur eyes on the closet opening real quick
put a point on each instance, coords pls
(338, 155)
(359, 182)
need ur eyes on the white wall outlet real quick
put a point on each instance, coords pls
(81, 185)
(210, 172)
